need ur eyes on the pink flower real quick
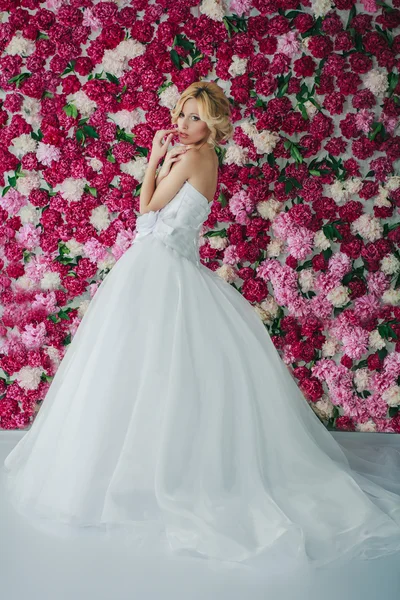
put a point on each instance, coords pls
(34, 336)
(95, 250)
(370, 5)
(289, 44)
(28, 237)
(12, 201)
(240, 6)
(355, 343)
(47, 301)
(364, 119)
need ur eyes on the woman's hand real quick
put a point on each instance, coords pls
(160, 147)
(172, 156)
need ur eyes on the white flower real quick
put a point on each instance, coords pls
(96, 164)
(218, 243)
(323, 408)
(82, 308)
(265, 141)
(20, 46)
(391, 297)
(72, 189)
(53, 354)
(235, 155)
(25, 283)
(275, 247)
(249, 129)
(22, 144)
(268, 209)
(30, 110)
(353, 185)
(126, 119)
(392, 183)
(382, 197)
(50, 281)
(375, 340)
(270, 306)
(367, 426)
(338, 193)
(339, 296)
(261, 313)
(330, 347)
(47, 153)
(82, 102)
(29, 214)
(361, 380)
(390, 264)
(107, 263)
(238, 66)
(321, 7)
(30, 181)
(169, 97)
(75, 248)
(29, 377)
(128, 49)
(377, 82)
(368, 227)
(392, 395)
(306, 280)
(321, 241)
(311, 109)
(213, 9)
(100, 218)
(136, 168)
(227, 273)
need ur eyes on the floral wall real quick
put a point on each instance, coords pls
(305, 222)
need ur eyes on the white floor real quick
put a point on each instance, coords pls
(33, 565)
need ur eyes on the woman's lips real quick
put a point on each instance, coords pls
(183, 134)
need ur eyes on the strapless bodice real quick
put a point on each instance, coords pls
(178, 223)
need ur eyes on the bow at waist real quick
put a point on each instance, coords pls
(151, 222)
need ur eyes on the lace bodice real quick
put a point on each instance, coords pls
(178, 223)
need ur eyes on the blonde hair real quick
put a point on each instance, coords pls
(214, 109)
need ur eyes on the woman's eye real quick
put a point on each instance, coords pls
(195, 118)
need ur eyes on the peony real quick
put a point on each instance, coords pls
(392, 395)
(236, 155)
(339, 296)
(377, 82)
(28, 378)
(100, 218)
(391, 297)
(227, 273)
(214, 9)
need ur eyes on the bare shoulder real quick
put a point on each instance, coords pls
(203, 169)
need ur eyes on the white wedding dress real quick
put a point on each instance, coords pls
(172, 414)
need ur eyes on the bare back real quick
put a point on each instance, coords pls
(205, 176)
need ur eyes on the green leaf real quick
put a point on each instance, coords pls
(90, 131)
(70, 110)
(67, 340)
(80, 136)
(352, 14)
(296, 154)
(175, 59)
(112, 78)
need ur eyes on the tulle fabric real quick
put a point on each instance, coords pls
(172, 417)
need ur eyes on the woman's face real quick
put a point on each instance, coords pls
(189, 123)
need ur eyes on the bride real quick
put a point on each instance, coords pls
(172, 413)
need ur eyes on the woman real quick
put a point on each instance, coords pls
(172, 412)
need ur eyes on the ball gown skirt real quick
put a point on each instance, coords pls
(172, 414)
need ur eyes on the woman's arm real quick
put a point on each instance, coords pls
(170, 185)
(148, 184)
